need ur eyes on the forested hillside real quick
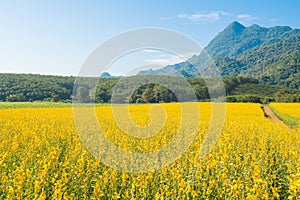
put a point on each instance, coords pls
(269, 54)
(30, 87)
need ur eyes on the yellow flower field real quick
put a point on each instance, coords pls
(292, 109)
(289, 112)
(42, 157)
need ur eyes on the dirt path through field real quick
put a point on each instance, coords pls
(271, 115)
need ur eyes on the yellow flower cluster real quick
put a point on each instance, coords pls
(292, 109)
(42, 157)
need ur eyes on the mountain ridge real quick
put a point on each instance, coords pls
(244, 51)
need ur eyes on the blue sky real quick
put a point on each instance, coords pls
(55, 37)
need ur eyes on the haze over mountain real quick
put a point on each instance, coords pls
(270, 54)
(108, 75)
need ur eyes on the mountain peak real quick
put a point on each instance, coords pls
(236, 23)
(255, 26)
(234, 27)
(105, 75)
(108, 75)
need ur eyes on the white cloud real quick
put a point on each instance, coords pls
(245, 17)
(169, 59)
(225, 13)
(214, 16)
(151, 50)
(163, 61)
(202, 17)
(273, 20)
(165, 18)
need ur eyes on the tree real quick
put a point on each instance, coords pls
(16, 98)
(146, 96)
(55, 98)
(83, 95)
(284, 95)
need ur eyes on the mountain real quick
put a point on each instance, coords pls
(237, 39)
(269, 54)
(286, 72)
(108, 75)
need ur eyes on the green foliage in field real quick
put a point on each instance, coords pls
(34, 105)
(291, 121)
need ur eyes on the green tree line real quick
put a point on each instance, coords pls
(135, 89)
